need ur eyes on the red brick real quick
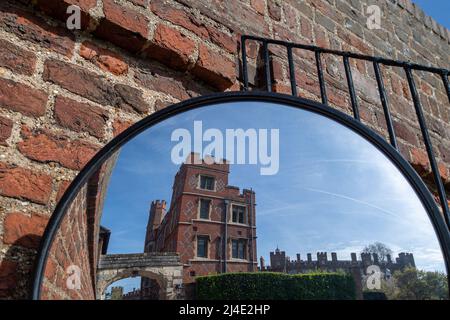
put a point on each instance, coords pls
(321, 38)
(92, 86)
(171, 47)
(258, 5)
(120, 125)
(179, 17)
(214, 69)
(47, 147)
(222, 39)
(175, 87)
(129, 98)
(443, 171)
(237, 16)
(290, 15)
(281, 88)
(50, 269)
(5, 130)
(23, 230)
(23, 183)
(62, 188)
(306, 28)
(353, 41)
(276, 69)
(274, 10)
(79, 81)
(419, 160)
(426, 88)
(33, 29)
(103, 58)
(160, 104)
(123, 26)
(22, 98)
(405, 132)
(58, 9)
(126, 18)
(188, 21)
(85, 5)
(80, 117)
(141, 3)
(16, 59)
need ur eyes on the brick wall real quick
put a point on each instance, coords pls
(76, 242)
(64, 94)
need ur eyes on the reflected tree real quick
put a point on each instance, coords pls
(380, 249)
(413, 284)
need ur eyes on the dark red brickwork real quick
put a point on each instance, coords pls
(176, 229)
(77, 241)
(134, 57)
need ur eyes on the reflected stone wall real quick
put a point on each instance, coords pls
(65, 94)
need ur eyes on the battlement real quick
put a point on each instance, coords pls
(279, 262)
(207, 161)
(159, 204)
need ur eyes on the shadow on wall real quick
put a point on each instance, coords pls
(16, 266)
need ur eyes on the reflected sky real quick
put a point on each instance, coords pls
(334, 191)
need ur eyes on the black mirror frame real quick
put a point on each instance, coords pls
(396, 158)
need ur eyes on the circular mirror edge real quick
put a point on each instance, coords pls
(437, 220)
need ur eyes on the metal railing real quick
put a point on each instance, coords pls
(376, 61)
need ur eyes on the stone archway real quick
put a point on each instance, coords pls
(164, 268)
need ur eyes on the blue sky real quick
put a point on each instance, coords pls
(437, 9)
(333, 192)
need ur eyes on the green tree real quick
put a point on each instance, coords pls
(380, 249)
(413, 284)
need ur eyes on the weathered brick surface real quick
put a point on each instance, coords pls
(71, 94)
(5, 130)
(16, 59)
(93, 86)
(22, 98)
(120, 125)
(24, 230)
(212, 67)
(21, 183)
(123, 26)
(103, 58)
(31, 28)
(80, 116)
(79, 81)
(171, 47)
(47, 147)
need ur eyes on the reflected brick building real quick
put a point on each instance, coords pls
(208, 222)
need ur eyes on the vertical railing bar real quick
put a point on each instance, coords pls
(244, 63)
(292, 71)
(444, 76)
(323, 92)
(384, 103)
(428, 145)
(267, 67)
(351, 88)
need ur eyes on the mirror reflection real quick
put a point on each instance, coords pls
(302, 208)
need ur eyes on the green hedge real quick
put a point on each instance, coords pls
(275, 286)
